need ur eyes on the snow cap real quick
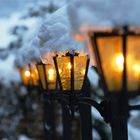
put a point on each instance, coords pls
(54, 35)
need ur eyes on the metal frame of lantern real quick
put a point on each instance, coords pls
(49, 88)
(124, 36)
(29, 76)
(46, 92)
(118, 107)
(46, 83)
(78, 98)
(25, 76)
(72, 97)
(69, 76)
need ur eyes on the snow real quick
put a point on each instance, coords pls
(15, 20)
(23, 137)
(95, 135)
(32, 25)
(8, 71)
(96, 114)
(133, 126)
(93, 77)
(5, 37)
(54, 35)
(101, 13)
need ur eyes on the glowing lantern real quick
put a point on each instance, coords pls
(72, 71)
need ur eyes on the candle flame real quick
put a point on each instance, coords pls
(120, 61)
(51, 74)
(69, 65)
(27, 73)
(60, 70)
(83, 71)
(136, 68)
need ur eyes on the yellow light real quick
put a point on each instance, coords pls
(136, 68)
(50, 71)
(83, 71)
(51, 74)
(60, 70)
(120, 61)
(69, 65)
(27, 73)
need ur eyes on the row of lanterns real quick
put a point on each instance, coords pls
(67, 74)
(118, 62)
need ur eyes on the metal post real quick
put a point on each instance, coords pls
(85, 116)
(66, 123)
(48, 121)
(119, 118)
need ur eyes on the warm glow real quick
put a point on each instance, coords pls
(120, 61)
(27, 73)
(69, 65)
(60, 70)
(83, 71)
(51, 73)
(136, 69)
(78, 66)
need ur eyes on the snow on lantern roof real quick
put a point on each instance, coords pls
(55, 34)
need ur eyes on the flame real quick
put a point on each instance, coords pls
(51, 74)
(120, 61)
(27, 73)
(83, 71)
(69, 65)
(136, 68)
(60, 70)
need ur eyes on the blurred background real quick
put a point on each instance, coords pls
(21, 112)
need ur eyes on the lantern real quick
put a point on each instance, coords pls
(47, 76)
(72, 71)
(118, 60)
(25, 76)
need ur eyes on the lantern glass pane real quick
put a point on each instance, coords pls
(110, 52)
(26, 76)
(34, 75)
(41, 72)
(80, 63)
(133, 63)
(64, 68)
(51, 76)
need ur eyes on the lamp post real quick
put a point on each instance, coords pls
(118, 63)
(51, 90)
(25, 80)
(47, 76)
(71, 71)
(72, 89)
(31, 80)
